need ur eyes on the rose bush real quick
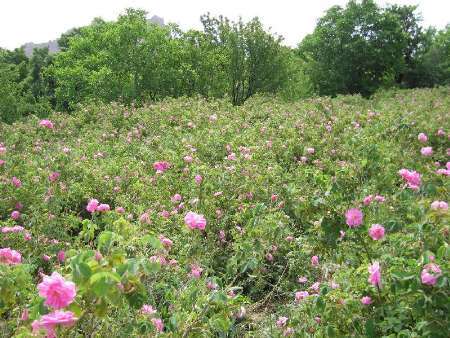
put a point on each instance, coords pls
(314, 218)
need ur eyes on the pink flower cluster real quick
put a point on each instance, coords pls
(430, 274)
(412, 178)
(49, 322)
(281, 322)
(2, 152)
(161, 166)
(94, 205)
(148, 310)
(198, 179)
(14, 229)
(196, 271)
(370, 198)
(439, 205)
(58, 292)
(10, 257)
(46, 124)
(376, 232)
(15, 215)
(53, 177)
(375, 274)
(422, 137)
(176, 198)
(16, 182)
(426, 151)
(158, 324)
(300, 295)
(366, 300)
(195, 221)
(354, 217)
(167, 243)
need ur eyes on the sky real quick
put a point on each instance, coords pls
(38, 21)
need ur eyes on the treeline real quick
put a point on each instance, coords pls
(356, 49)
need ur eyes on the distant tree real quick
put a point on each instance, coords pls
(438, 57)
(432, 66)
(41, 85)
(64, 39)
(418, 42)
(132, 60)
(203, 65)
(9, 92)
(255, 58)
(21, 84)
(127, 60)
(297, 84)
(18, 58)
(359, 48)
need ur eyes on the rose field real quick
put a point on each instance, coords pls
(323, 217)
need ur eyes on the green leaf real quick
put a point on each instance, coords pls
(150, 267)
(105, 275)
(85, 270)
(105, 240)
(154, 242)
(331, 331)
(101, 282)
(370, 328)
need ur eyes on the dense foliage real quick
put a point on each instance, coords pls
(362, 47)
(187, 218)
(23, 88)
(357, 49)
(132, 60)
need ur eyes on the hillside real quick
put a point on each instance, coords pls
(112, 199)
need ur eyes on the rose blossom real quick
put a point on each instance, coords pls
(422, 137)
(46, 123)
(281, 322)
(412, 178)
(354, 217)
(375, 274)
(58, 292)
(10, 257)
(426, 151)
(430, 274)
(300, 295)
(376, 232)
(195, 221)
(51, 320)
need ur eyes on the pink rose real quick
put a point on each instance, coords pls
(195, 221)
(354, 217)
(58, 292)
(376, 232)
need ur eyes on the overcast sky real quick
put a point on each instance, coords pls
(24, 21)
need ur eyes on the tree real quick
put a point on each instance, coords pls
(21, 85)
(129, 60)
(64, 39)
(356, 49)
(9, 93)
(417, 42)
(41, 85)
(432, 65)
(203, 65)
(255, 58)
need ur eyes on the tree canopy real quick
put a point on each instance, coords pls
(356, 49)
